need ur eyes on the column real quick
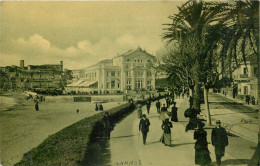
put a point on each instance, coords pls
(122, 78)
(98, 74)
(145, 77)
(103, 79)
(132, 78)
(153, 79)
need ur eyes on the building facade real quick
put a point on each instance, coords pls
(131, 71)
(246, 79)
(35, 76)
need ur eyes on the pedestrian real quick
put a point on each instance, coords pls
(36, 106)
(77, 111)
(108, 125)
(144, 127)
(166, 127)
(101, 107)
(174, 117)
(202, 154)
(247, 99)
(148, 105)
(96, 108)
(139, 111)
(132, 106)
(253, 100)
(163, 109)
(219, 140)
(158, 106)
(167, 102)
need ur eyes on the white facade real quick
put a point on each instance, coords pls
(129, 71)
(245, 77)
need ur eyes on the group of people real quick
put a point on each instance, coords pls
(99, 107)
(164, 115)
(37, 99)
(219, 140)
(248, 99)
(219, 137)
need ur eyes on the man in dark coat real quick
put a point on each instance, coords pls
(36, 106)
(247, 99)
(219, 140)
(101, 107)
(144, 127)
(163, 109)
(167, 102)
(148, 105)
(108, 126)
(158, 106)
(96, 108)
(174, 113)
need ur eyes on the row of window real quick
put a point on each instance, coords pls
(128, 82)
(117, 74)
(139, 65)
(138, 84)
(139, 74)
(138, 60)
(91, 74)
(129, 87)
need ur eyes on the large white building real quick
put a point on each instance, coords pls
(130, 71)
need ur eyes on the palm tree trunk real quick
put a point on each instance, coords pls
(206, 99)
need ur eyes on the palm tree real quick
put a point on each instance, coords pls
(195, 30)
(241, 19)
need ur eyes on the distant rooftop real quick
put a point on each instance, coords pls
(133, 51)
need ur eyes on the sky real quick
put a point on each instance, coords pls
(80, 33)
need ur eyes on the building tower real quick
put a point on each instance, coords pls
(22, 64)
(61, 65)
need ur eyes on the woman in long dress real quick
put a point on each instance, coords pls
(139, 111)
(166, 138)
(202, 154)
(174, 113)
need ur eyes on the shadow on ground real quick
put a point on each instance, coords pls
(126, 136)
(98, 150)
(98, 153)
(174, 145)
(233, 162)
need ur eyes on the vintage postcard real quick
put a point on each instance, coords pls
(129, 83)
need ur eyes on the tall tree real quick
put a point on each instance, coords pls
(195, 30)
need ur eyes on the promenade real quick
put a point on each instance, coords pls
(126, 146)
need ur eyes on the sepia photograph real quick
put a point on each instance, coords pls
(129, 83)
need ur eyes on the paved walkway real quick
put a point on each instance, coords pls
(127, 149)
(237, 118)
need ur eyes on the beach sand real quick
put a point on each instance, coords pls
(22, 128)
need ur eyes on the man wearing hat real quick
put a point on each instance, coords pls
(144, 127)
(219, 140)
